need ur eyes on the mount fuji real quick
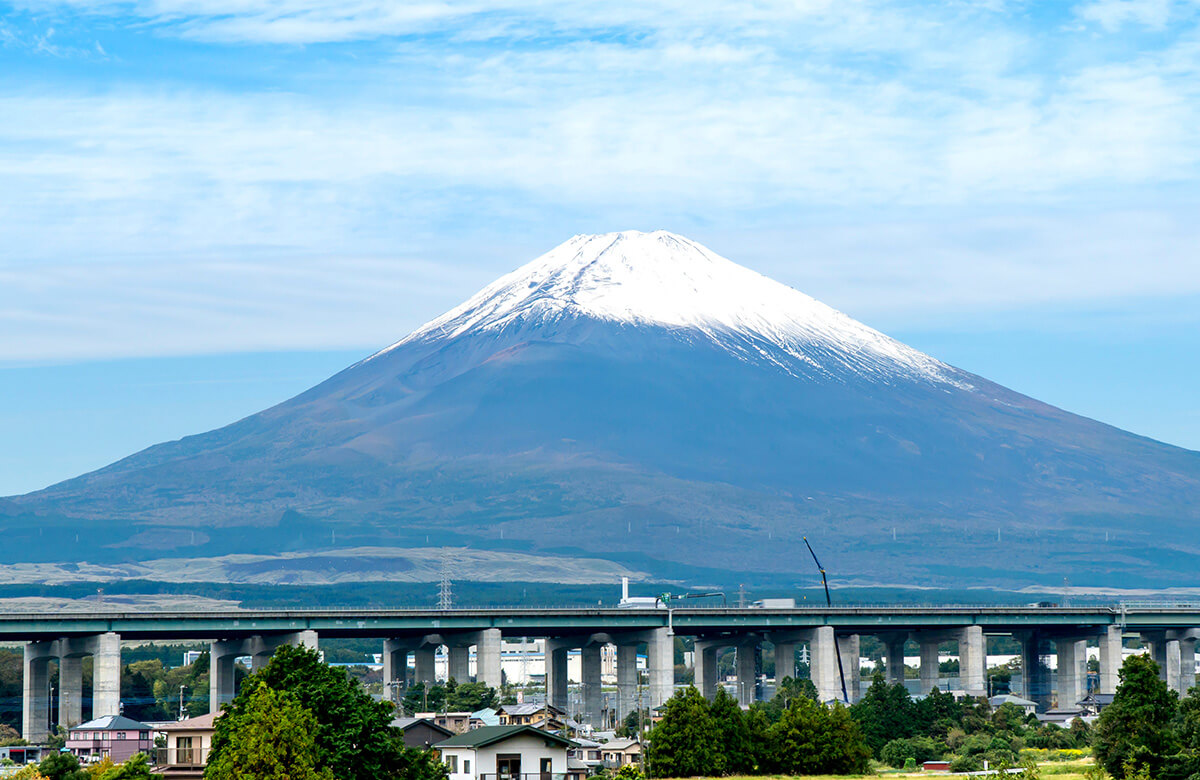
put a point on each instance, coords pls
(637, 401)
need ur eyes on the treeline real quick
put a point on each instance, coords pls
(451, 697)
(1148, 731)
(794, 735)
(899, 729)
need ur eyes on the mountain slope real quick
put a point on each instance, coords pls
(635, 397)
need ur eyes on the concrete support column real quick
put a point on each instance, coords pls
(307, 638)
(848, 646)
(1072, 671)
(895, 657)
(1111, 657)
(1156, 642)
(395, 668)
(487, 658)
(221, 684)
(1034, 673)
(589, 669)
(823, 664)
(785, 661)
(930, 670)
(627, 674)
(660, 652)
(556, 672)
(748, 663)
(35, 710)
(70, 697)
(972, 661)
(1173, 664)
(425, 670)
(704, 654)
(106, 676)
(1187, 664)
(459, 663)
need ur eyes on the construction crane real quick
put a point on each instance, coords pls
(829, 603)
(667, 598)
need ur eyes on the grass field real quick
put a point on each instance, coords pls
(1050, 770)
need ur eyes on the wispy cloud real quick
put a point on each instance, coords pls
(995, 131)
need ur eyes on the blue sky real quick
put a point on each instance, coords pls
(208, 205)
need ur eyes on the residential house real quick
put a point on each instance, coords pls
(621, 752)
(114, 736)
(484, 717)
(457, 722)
(1093, 703)
(1029, 707)
(505, 753)
(188, 743)
(586, 754)
(421, 732)
(540, 715)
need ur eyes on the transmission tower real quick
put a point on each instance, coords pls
(445, 592)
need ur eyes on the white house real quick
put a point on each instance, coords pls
(505, 753)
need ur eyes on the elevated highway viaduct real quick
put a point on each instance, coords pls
(1168, 629)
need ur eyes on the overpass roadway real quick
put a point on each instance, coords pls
(1168, 629)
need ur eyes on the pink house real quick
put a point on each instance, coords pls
(115, 736)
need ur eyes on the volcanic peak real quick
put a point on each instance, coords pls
(665, 280)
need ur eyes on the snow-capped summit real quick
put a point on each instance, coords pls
(669, 281)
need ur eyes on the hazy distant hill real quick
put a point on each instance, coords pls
(637, 398)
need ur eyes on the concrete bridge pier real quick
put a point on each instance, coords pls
(1072, 670)
(627, 680)
(1035, 674)
(660, 657)
(1187, 660)
(556, 671)
(105, 650)
(1111, 657)
(704, 655)
(589, 670)
(930, 670)
(395, 668)
(222, 682)
(894, 643)
(848, 647)
(785, 661)
(749, 662)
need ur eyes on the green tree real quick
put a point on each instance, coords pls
(352, 735)
(62, 766)
(884, 713)
(1136, 730)
(1189, 720)
(136, 768)
(419, 699)
(733, 733)
(685, 743)
(810, 739)
(470, 697)
(270, 736)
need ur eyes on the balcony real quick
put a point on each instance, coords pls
(534, 776)
(182, 758)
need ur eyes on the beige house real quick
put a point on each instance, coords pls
(188, 744)
(544, 716)
(505, 753)
(620, 752)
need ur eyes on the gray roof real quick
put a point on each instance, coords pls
(113, 723)
(620, 744)
(404, 724)
(527, 708)
(996, 701)
(488, 735)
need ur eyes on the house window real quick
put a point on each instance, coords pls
(452, 764)
(466, 766)
(184, 754)
(120, 735)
